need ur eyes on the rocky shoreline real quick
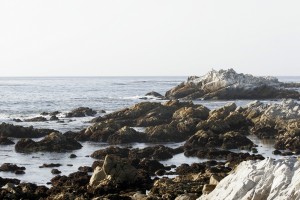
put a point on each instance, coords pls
(121, 171)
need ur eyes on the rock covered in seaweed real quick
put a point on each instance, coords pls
(54, 142)
(228, 84)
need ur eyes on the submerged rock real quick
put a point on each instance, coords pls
(54, 142)
(227, 84)
(267, 179)
(8, 167)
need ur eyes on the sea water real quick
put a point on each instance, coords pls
(25, 98)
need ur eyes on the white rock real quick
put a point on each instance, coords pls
(215, 80)
(254, 180)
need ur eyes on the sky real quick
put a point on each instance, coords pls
(148, 37)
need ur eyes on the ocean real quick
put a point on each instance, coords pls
(27, 97)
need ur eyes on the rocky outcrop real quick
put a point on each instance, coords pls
(81, 112)
(9, 130)
(126, 135)
(171, 121)
(267, 179)
(117, 173)
(207, 139)
(227, 84)
(54, 142)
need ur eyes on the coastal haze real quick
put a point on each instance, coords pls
(170, 38)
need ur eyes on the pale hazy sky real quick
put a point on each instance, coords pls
(148, 37)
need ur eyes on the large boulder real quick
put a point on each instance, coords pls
(267, 179)
(9, 130)
(227, 84)
(54, 142)
(118, 174)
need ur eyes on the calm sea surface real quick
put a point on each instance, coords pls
(28, 97)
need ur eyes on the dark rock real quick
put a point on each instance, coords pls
(36, 119)
(155, 94)
(54, 118)
(276, 152)
(55, 171)
(5, 141)
(54, 142)
(44, 113)
(81, 112)
(17, 120)
(9, 130)
(51, 165)
(121, 152)
(19, 172)
(72, 156)
(8, 167)
(160, 172)
(126, 135)
(4, 181)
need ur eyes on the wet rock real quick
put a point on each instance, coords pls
(55, 171)
(72, 156)
(227, 84)
(126, 135)
(8, 167)
(54, 118)
(155, 94)
(36, 119)
(17, 120)
(9, 130)
(51, 165)
(54, 142)
(276, 152)
(160, 172)
(81, 112)
(5, 141)
(19, 172)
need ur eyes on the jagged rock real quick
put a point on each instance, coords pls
(267, 179)
(117, 174)
(9, 130)
(200, 112)
(81, 112)
(36, 119)
(126, 135)
(99, 132)
(54, 142)
(207, 139)
(227, 84)
(5, 141)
